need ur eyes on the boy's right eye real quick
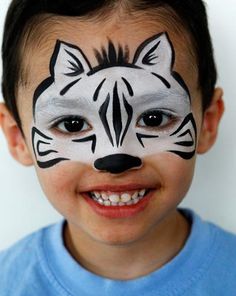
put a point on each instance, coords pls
(73, 124)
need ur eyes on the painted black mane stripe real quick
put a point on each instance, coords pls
(92, 138)
(103, 116)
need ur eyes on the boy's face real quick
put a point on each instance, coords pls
(112, 124)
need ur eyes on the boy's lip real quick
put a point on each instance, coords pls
(125, 211)
(117, 188)
(118, 212)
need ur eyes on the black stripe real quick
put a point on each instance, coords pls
(117, 119)
(50, 163)
(45, 153)
(147, 60)
(129, 111)
(180, 80)
(187, 132)
(102, 67)
(165, 82)
(33, 133)
(185, 143)
(79, 67)
(187, 119)
(103, 116)
(129, 87)
(40, 89)
(140, 137)
(184, 155)
(36, 131)
(96, 94)
(92, 138)
(69, 86)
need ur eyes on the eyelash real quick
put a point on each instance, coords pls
(168, 117)
(69, 119)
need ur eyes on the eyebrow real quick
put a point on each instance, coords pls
(63, 103)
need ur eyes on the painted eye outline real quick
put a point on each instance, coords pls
(170, 119)
(56, 125)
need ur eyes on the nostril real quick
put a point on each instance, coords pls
(117, 163)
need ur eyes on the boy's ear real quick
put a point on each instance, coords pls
(16, 142)
(210, 123)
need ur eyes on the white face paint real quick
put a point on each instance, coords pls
(120, 111)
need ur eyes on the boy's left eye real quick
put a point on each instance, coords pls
(155, 118)
(73, 124)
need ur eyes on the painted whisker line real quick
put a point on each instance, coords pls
(50, 163)
(44, 153)
(140, 137)
(185, 143)
(92, 138)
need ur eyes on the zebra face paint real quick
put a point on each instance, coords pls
(113, 115)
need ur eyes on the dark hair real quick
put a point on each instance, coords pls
(191, 14)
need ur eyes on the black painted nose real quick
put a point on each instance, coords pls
(117, 163)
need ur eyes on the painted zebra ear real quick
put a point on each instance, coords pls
(68, 61)
(155, 54)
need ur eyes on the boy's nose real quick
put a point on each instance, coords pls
(117, 163)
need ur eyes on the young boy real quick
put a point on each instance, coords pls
(111, 101)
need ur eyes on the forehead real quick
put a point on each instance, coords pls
(90, 36)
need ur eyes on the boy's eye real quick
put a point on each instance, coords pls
(72, 125)
(155, 118)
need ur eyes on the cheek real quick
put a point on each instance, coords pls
(175, 175)
(61, 183)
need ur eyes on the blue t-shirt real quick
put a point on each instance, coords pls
(40, 265)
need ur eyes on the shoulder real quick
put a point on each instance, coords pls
(21, 261)
(226, 251)
(220, 272)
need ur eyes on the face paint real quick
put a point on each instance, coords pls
(114, 114)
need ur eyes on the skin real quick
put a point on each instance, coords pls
(122, 248)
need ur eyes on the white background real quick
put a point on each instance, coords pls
(23, 207)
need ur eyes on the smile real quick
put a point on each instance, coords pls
(118, 198)
(119, 201)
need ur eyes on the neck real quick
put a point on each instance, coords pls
(132, 260)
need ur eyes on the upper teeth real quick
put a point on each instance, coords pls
(122, 198)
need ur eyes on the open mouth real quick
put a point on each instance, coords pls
(118, 199)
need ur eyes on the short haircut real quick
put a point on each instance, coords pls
(190, 14)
